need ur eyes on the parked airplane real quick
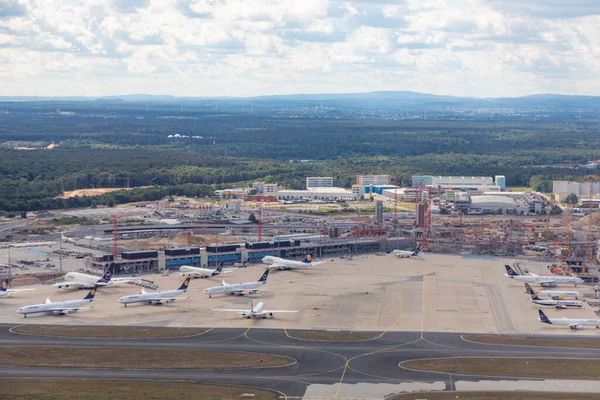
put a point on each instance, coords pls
(239, 288)
(156, 298)
(5, 291)
(203, 272)
(66, 239)
(556, 303)
(78, 280)
(61, 307)
(553, 294)
(254, 312)
(544, 281)
(406, 253)
(285, 265)
(570, 322)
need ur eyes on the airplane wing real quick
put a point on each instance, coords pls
(317, 263)
(231, 310)
(13, 291)
(228, 270)
(278, 311)
(73, 284)
(122, 281)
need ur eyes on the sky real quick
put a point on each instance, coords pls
(482, 48)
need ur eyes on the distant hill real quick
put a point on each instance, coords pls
(398, 99)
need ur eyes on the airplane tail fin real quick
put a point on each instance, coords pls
(308, 258)
(534, 296)
(544, 318)
(108, 273)
(4, 285)
(91, 293)
(264, 276)
(185, 284)
(218, 270)
(510, 271)
(528, 289)
(416, 252)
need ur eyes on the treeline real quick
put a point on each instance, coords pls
(107, 199)
(131, 148)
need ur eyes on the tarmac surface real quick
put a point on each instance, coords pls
(324, 370)
(430, 293)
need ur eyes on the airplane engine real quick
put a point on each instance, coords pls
(155, 302)
(575, 327)
(270, 314)
(548, 284)
(170, 301)
(57, 312)
(252, 291)
(72, 311)
(560, 306)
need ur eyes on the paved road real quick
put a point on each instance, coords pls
(325, 363)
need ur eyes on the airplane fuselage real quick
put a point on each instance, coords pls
(238, 288)
(202, 272)
(152, 298)
(70, 306)
(558, 303)
(547, 281)
(282, 262)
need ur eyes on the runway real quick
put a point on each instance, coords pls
(323, 369)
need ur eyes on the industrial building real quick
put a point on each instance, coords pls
(402, 194)
(237, 193)
(265, 188)
(319, 181)
(318, 193)
(367, 180)
(460, 183)
(488, 204)
(578, 188)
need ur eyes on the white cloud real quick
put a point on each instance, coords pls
(254, 47)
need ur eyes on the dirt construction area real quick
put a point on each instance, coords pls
(432, 292)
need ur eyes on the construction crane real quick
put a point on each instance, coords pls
(115, 220)
(395, 201)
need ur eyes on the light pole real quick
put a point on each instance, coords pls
(9, 263)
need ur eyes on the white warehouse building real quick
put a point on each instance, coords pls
(319, 181)
(578, 188)
(491, 204)
(320, 193)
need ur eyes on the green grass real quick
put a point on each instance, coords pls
(517, 367)
(29, 389)
(107, 357)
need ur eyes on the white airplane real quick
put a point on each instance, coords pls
(5, 291)
(66, 239)
(554, 294)
(203, 272)
(285, 265)
(59, 308)
(77, 280)
(238, 289)
(156, 298)
(544, 281)
(406, 253)
(254, 312)
(570, 322)
(556, 303)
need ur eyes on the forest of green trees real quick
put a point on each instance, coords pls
(235, 149)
